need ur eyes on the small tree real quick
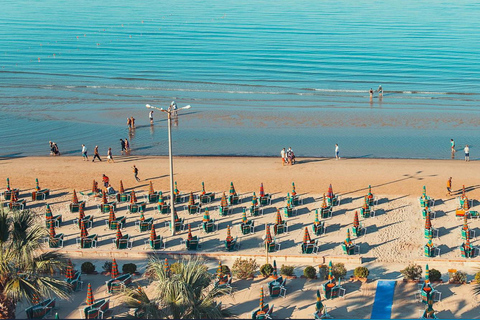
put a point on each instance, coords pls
(435, 275)
(88, 267)
(107, 266)
(459, 277)
(412, 272)
(129, 268)
(287, 270)
(310, 272)
(244, 268)
(266, 270)
(361, 272)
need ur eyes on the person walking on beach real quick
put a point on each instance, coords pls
(452, 144)
(150, 115)
(122, 144)
(337, 152)
(135, 172)
(449, 186)
(110, 156)
(467, 153)
(84, 153)
(96, 154)
(282, 154)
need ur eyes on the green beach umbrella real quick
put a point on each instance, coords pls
(175, 215)
(261, 298)
(75, 198)
(244, 216)
(206, 216)
(424, 191)
(56, 315)
(161, 201)
(348, 241)
(90, 298)
(229, 235)
(289, 200)
(191, 201)
(111, 216)
(324, 203)
(166, 266)
(176, 189)
(317, 221)
(254, 200)
(48, 212)
(153, 233)
(279, 217)
(219, 270)
(8, 184)
(37, 186)
(294, 193)
(356, 222)
(52, 229)
(319, 304)
(275, 274)
(121, 190)
(427, 274)
(306, 236)
(268, 235)
(69, 272)
(232, 189)
(223, 201)
(114, 269)
(262, 191)
(330, 271)
(151, 190)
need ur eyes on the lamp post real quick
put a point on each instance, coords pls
(171, 110)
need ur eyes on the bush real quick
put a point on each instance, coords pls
(412, 272)
(286, 270)
(477, 277)
(266, 270)
(129, 268)
(459, 276)
(338, 271)
(107, 266)
(310, 272)
(361, 272)
(225, 270)
(435, 275)
(244, 268)
(175, 267)
(88, 267)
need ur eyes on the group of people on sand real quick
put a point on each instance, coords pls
(125, 145)
(288, 157)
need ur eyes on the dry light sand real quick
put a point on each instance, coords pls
(394, 237)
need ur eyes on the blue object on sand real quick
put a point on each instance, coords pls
(382, 306)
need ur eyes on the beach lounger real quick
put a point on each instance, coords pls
(192, 209)
(40, 194)
(75, 207)
(308, 248)
(230, 245)
(88, 221)
(289, 212)
(319, 229)
(431, 252)
(156, 244)
(124, 243)
(350, 250)
(271, 246)
(208, 227)
(113, 225)
(40, 310)
(7, 194)
(138, 207)
(18, 205)
(280, 228)
(179, 225)
(96, 310)
(192, 244)
(76, 282)
(264, 310)
(56, 242)
(152, 197)
(326, 213)
(224, 211)
(207, 197)
(265, 200)
(123, 197)
(119, 283)
(105, 207)
(88, 242)
(145, 225)
(357, 231)
(296, 201)
(225, 285)
(247, 228)
(256, 211)
(232, 200)
(163, 208)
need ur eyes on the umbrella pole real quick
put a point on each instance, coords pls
(266, 245)
(170, 156)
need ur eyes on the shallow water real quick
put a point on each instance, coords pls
(259, 75)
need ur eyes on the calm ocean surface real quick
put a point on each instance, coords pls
(260, 75)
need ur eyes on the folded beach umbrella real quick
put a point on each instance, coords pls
(219, 270)
(429, 310)
(261, 298)
(81, 213)
(365, 203)
(151, 191)
(83, 230)
(424, 191)
(48, 212)
(427, 274)
(52, 229)
(175, 215)
(14, 197)
(430, 243)
(463, 191)
(69, 273)
(119, 232)
(75, 198)
(189, 236)
(37, 187)
(465, 222)
(191, 201)
(330, 192)
(153, 233)
(142, 217)
(330, 271)
(206, 216)
(254, 200)
(279, 217)
(370, 191)
(114, 272)
(319, 304)
(289, 201)
(94, 186)
(229, 235)
(232, 189)
(35, 299)
(324, 203)
(161, 201)
(90, 298)
(133, 197)
(104, 197)
(428, 222)
(57, 316)
(316, 221)
(268, 235)
(244, 216)
(166, 266)
(223, 201)
(111, 216)
(348, 241)
(8, 184)
(275, 273)
(203, 188)
(176, 189)
(262, 191)
(121, 189)
(306, 236)
(356, 222)
(294, 193)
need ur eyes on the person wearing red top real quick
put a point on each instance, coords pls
(106, 181)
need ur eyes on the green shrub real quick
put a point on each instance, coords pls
(338, 271)
(459, 276)
(361, 272)
(286, 270)
(435, 275)
(107, 266)
(266, 270)
(310, 272)
(129, 268)
(244, 268)
(477, 277)
(175, 267)
(88, 267)
(412, 272)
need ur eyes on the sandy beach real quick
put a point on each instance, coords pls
(394, 236)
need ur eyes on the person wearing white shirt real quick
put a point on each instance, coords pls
(337, 152)
(150, 115)
(84, 153)
(282, 154)
(467, 153)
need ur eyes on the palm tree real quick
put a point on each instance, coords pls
(184, 294)
(25, 271)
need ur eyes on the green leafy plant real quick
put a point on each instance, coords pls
(266, 270)
(129, 268)
(107, 266)
(435, 275)
(88, 267)
(244, 268)
(361, 272)
(458, 277)
(412, 272)
(338, 271)
(287, 270)
(175, 267)
(310, 272)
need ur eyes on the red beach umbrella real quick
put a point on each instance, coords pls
(465, 222)
(121, 190)
(114, 269)
(348, 241)
(189, 236)
(69, 273)
(48, 212)
(119, 233)
(153, 234)
(111, 217)
(133, 197)
(223, 201)
(428, 223)
(75, 198)
(268, 235)
(52, 228)
(83, 230)
(262, 191)
(279, 217)
(104, 197)
(229, 236)
(356, 222)
(90, 300)
(365, 203)
(463, 191)
(81, 213)
(203, 188)
(191, 201)
(330, 191)
(306, 236)
(151, 191)
(94, 186)
(324, 203)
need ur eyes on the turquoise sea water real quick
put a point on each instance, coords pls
(260, 75)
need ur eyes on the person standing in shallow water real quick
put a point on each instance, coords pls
(452, 144)
(84, 153)
(467, 153)
(337, 152)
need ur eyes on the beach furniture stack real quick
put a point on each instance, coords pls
(136, 206)
(15, 203)
(308, 245)
(224, 209)
(118, 283)
(254, 208)
(330, 288)
(178, 223)
(358, 228)
(280, 226)
(269, 242)
(275, 286)
(162, 206)
(247, 226)
(73, 277)
(318, 227)
(154, 242)
(105, 206)
(430, 250)
(75, 205)
(296, 200)
(192, 242)
(122, 196)
(57, 220)
(223, 281)
(348, 246)
(54, 240)
(466, 231)
(40, 309)
(367, 210)
(114, 222)
(372, 200)
(192, 207)
(320, 308)
(429, 232)
(233, 197)
(332, 198)
(7, 194)
(325, 209)
(144, 224)
(38, 193)
(86, 241)
(289, 210)
(426, 201)
(87, 220)
(207, 225)
(230, 242)
(428, 296)
(206, 197)
(265, 199)
(95, 309)
(467, 250)
(122, 241)
(264, 311)
(153, 195)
